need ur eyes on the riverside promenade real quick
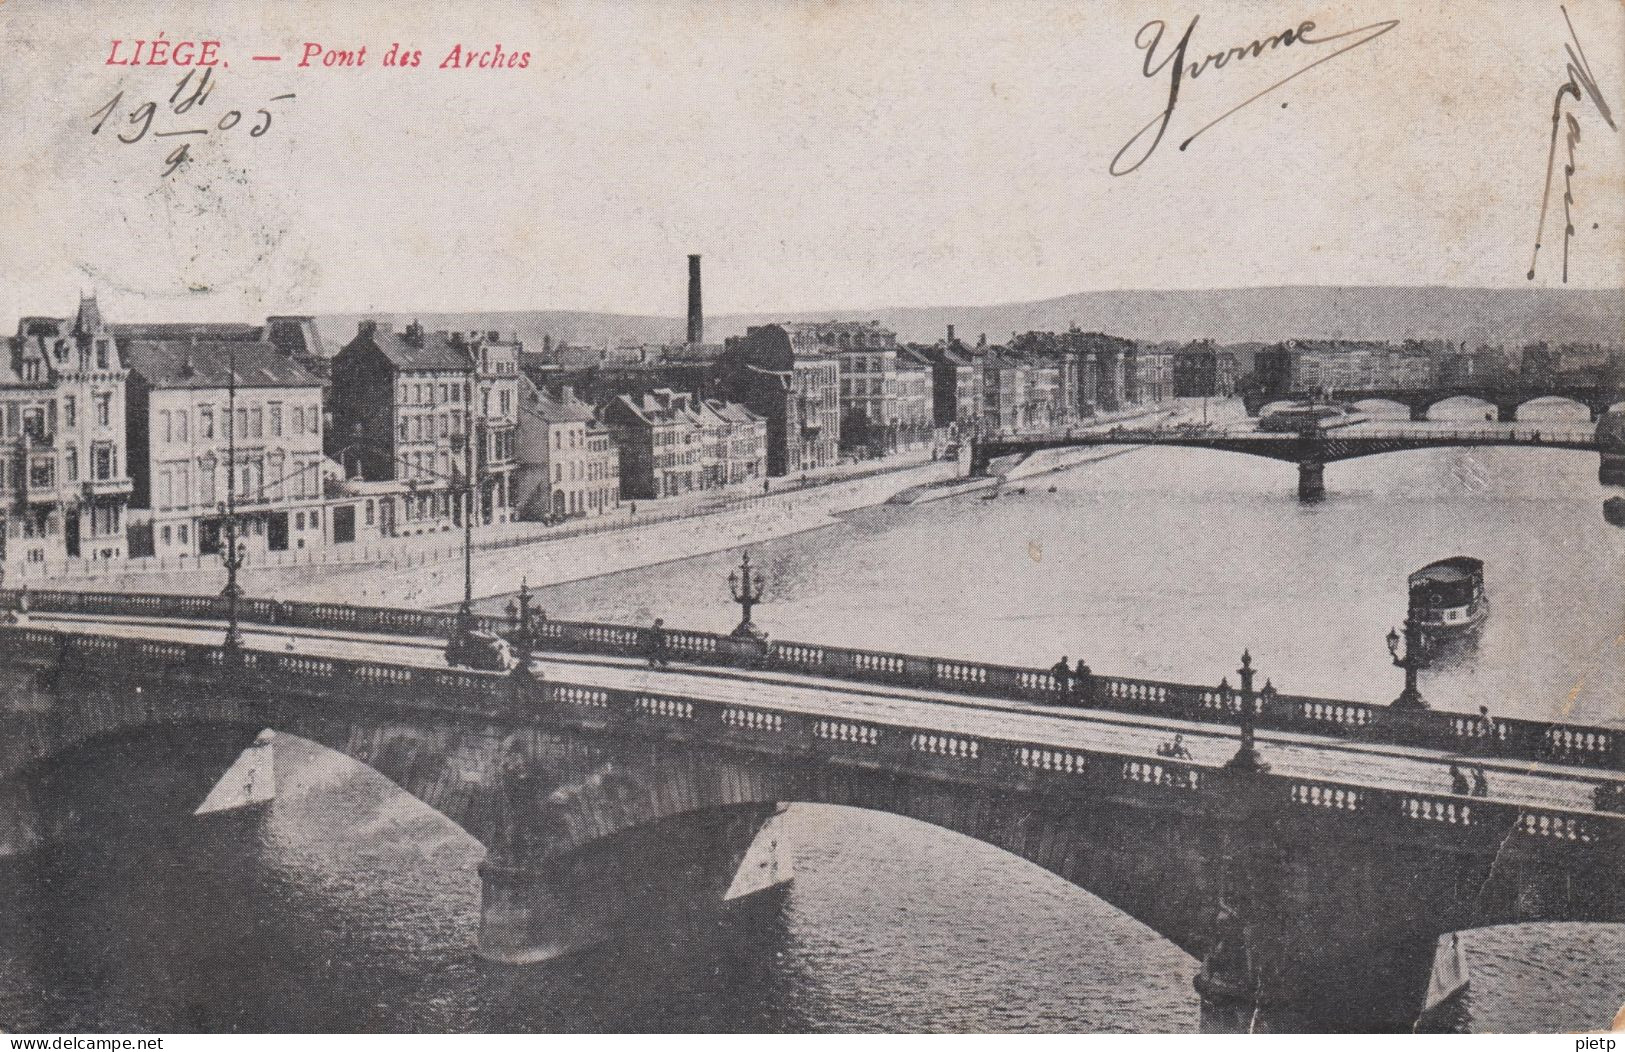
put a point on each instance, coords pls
(427, 570)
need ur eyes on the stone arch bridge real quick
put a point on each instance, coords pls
(601, 806)
(1313, 448)
(1507, 400)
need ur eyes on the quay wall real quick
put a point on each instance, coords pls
(577, 558)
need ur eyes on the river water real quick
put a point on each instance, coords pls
(350, 906)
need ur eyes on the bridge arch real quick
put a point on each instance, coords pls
(1554, 408)
(1383, 408)
(174, 744)
(1463, 407)
(1160, 877)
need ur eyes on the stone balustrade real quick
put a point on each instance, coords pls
(1007, 764)
(1511, 738)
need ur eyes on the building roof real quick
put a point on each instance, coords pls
(566, 409)
(958, 356)
(210, 364)
(912, 358)
(181, 330)
(413, 350)
(661, 406)
(733, 412)
(89, 318)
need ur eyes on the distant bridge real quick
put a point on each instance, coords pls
(1506, 398)
(1311, 449)
(608, 795)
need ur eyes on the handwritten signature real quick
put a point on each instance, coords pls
(1579, 79)
(1143, 143)
(185, 97)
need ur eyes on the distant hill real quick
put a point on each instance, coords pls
(1232, 316)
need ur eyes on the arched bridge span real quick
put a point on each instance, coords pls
(598, 804)
(1507, 400)
(1310, 449)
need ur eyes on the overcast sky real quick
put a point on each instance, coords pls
(820, 155)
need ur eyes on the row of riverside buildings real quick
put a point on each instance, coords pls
(1352, 366)
(120, 441)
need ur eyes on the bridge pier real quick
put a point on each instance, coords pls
(1388, 990)
(1506, 413)
(671, 877)
(1311, 480)
(1419, 413)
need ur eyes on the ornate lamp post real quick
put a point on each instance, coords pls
(465, 495)
(746, 587)
(1246, 758)
(1411, 662)
(524, 607)
(231, 554)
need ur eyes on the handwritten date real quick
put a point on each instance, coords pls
(186, 97)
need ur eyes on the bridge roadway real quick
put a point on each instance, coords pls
(1356, 763)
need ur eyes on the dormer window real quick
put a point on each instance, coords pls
(101, 354)
(31, 370)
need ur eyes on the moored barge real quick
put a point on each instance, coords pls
(1447, 601)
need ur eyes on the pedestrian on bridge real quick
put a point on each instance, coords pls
(1062, 674)
(1481, 784)
(657, 644)
(1458, 782)
(1083, 682)
(1486, 728)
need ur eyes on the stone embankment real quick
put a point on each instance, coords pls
(576, 558)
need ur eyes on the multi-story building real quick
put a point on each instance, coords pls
(916, 390)
(713, 430)
(1041, 406)
(401, 419)
(496, 420)
(190, 403)
(1108, 370)
(1156, 373)
(659, 442)
(603, 470)
(1005, 397)
(1196, 370)
(568, 464)
(1227, 374)
(64, 484)
(956, 386)
(1346, 366)
(866, 357)
(795, 387)
(744, 455)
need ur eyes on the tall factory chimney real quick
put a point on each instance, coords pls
(696, 316)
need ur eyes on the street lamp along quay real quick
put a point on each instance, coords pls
(1412, 662)
(232, 555)
(747, 588)
(1247, 757)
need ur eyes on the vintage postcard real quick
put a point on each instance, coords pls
(812, 516)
